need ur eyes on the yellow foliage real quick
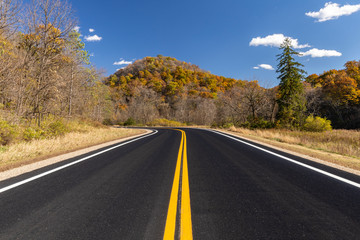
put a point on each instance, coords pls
(44, 38)
(165, 123)
(339, 86)
(170, 77)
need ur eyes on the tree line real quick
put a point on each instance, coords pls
(163, 87)
(44, 67)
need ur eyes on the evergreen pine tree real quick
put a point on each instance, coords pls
(291, 99)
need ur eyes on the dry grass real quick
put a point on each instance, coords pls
(27, 152)
(338, 146)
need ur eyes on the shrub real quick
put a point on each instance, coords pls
(224, 125)
(263, 124)
(129, 122)
(165, 123)
(257, 123)
(33, 133)
(227, 125)
(7, 133)
(317, 124)
(107, 122)
(94, 124)
(56, 128)
(3, 149)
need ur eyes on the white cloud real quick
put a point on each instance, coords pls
(120, 69)
(122, 62)
(275, 40)
(316, 53)
(94, 38)
(77, 28)
(333, 11)
(264, 66)
(91, 30)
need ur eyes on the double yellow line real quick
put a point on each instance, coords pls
(185, 214)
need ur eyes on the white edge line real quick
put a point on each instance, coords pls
(70, 164)
(292, 160)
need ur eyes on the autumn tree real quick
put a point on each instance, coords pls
(352, 69)
(291, 100)
(339, 86)
(48, 28)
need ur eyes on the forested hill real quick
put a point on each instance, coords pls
(163, 87)
(169, 77)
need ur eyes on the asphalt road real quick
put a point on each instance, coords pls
(236, 191)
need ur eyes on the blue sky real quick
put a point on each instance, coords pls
(231, 38)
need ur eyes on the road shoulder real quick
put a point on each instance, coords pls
(280, 147)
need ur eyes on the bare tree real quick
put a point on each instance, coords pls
(144, 105)
(9, 11)
(233, 104)
(254, 97)
(203, 111)
(74, 60)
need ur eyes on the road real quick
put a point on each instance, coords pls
(191, 184)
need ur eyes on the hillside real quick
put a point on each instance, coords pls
(169, 77)
(163, 87)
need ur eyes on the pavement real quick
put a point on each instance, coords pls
(224, 188)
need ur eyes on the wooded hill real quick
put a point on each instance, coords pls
(170, 77)
(163, 87)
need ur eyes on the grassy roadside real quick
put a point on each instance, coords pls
(23, 153)
(341, 147)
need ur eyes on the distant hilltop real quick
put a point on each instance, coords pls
(168, 77)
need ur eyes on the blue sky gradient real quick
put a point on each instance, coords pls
(216, 35)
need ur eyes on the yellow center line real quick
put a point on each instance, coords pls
(185, 217)
(186, 225)
(171, 216)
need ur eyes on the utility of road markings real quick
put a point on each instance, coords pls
(70, 164)
(355, 184)
(185, 214)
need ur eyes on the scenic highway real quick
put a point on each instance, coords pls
(182, 184)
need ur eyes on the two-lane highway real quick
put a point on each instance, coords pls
(192, 184)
